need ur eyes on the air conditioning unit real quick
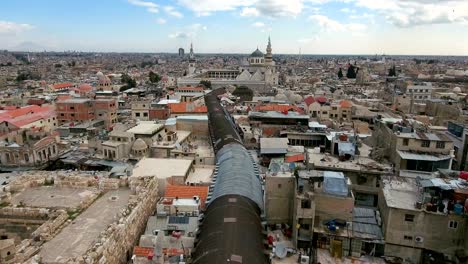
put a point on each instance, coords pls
(304, 259)
(419, 239)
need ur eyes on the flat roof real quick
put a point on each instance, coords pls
(161, 168)
(273, 145)
(400, 193)
(145, 128)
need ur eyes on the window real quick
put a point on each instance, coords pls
(405, 142)
(72, 108)
(409, 217)
(425, 143)
(408, 237)
(145, 114)
(440, 145)
(453, 224)
(72, 115)
(279, 185)
(305, 204)
(137, 114)
(305, 226)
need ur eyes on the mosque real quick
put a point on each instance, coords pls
(258, 74)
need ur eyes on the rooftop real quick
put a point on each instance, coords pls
(273, 145)
(161, 168)
(146, 128)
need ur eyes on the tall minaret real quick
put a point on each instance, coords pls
(191, 67)
(268, 55)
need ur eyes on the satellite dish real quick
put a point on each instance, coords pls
(281, 250)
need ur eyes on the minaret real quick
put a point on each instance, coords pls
(268, 55)
(191, 67)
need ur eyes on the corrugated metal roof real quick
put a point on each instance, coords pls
(236, 175)
(427, 157)
(365, 224)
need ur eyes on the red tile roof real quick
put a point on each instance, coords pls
(62, 85)
(26, 115)
(183, 107)
(183, 191)
(294, 158)
(321, 99)
(142, 251)
(309, 100)
(278, 108)
(346, 104)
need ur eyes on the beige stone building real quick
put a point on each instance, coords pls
(413, 149)
(420, 220)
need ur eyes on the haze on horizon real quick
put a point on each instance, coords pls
(403, 27)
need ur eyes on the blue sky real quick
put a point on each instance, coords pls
(239, 26)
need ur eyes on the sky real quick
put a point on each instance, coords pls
(406, 27)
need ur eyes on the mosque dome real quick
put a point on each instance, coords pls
(99, 74)
(295, 98)
(139, 145)
(457, 90)
(281, 97)
(257, 53)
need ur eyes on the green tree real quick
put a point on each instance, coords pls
(128, 81)
(392, 71)
(244, 93)
(154, 77)
(351, 73)
(340, 73)
(206, 83)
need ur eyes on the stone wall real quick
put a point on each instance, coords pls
(117, 241)
(50, 228)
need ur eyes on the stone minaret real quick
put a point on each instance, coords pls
(268, 55)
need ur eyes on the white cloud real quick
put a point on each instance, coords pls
(7, 27)
(269, 8)
(329, 25)
(280, 8)
(249, 11)
(206, 7)
(408, 13)
(150, 6)
(180, 35)
(190, 31)
(258, 24)
(170, 10)
(347, 10)
(161, 21)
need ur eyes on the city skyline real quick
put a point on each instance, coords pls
(395, 27)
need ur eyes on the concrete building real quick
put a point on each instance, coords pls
(325, 216)
(419, 92)
(423, 219)
(81, 110)
(459, 135)
(414, 150)
(140, 110)
(119, 145)
(28, 149)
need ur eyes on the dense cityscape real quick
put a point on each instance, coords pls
(218, 157)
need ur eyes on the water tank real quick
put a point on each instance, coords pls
(458, 209)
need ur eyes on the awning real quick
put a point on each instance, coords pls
(426, 157)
